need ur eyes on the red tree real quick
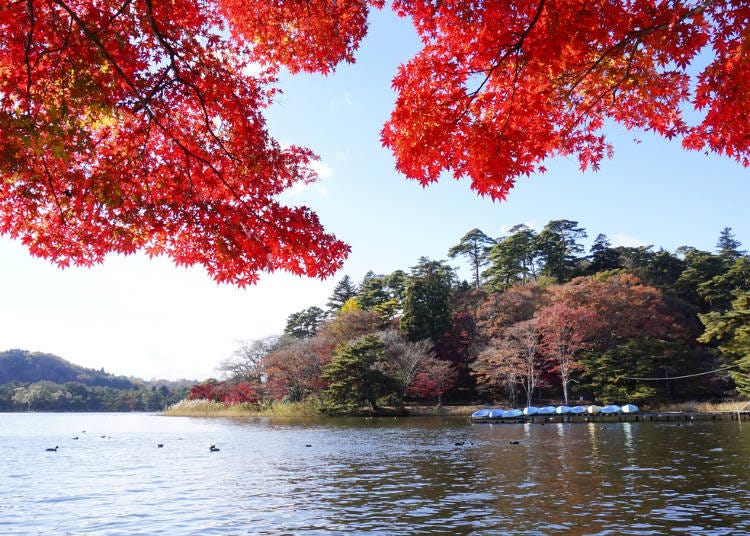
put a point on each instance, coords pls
(625, 308)
(138, 124)
(500, 86)
(135, 124)
(566, 332)
(435, 378)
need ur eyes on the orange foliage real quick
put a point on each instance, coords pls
(133, 125)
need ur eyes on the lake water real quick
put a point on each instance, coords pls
(389, 476)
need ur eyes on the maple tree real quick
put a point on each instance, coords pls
(137, 125)
(499, 87)
(434, 378)
(133, 125)
(513, 359)
(293, 368)
(565, 333)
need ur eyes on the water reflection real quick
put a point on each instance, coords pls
(390, 477)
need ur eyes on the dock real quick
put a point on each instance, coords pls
(677, 417)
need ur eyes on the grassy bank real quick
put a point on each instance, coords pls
(705, 407)
(309, 408)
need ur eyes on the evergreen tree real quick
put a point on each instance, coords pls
(343, 290)
(475, 246)
(426, 312)
(731, 331)
(727, 246)
(373, 291)
(603, 256)
(357, 376)
(511, 259)
(559, 250)
(304, 324)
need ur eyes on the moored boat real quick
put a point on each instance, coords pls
(512, 414)
(611, 409)
(630, 408)
(578, 410)
(562, 410)
(496, 413)
(480, 414)
(530, 410)
(593, 409)
(547, 410)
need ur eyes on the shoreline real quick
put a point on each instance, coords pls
(684, 411)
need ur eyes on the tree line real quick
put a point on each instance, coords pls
(541, 320)
(35, 381)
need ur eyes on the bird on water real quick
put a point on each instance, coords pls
(213, 448)
(53, 449)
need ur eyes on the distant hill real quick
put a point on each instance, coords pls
(28, 367)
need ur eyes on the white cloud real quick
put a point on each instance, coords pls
(344, 102)
(625, 240)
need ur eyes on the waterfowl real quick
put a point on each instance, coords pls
(213, 448)
(514, 442)
(460, 443)
(53, 449)
(160, 445)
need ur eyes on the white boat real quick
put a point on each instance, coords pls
(630, 408)
(530, 410)
(593, 409)
(611, 409)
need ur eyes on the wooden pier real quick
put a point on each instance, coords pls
(677, 417)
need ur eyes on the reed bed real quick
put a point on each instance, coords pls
(209, 408)
(729, 406)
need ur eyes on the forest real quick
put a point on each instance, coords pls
(541, 319)
(35, 381)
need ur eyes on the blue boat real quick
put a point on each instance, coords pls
(578, 410)
(612, 409)
(547, 410)
(512, 414)
(562, 410)
(496, 413)
(530, 410)
(480, 414)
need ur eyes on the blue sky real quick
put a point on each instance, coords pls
(147, 318)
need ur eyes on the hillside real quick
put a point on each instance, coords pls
(26, 367)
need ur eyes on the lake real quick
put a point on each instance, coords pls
(380, 476)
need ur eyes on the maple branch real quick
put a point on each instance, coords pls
(27, 52)
(91, 36)
(50, 183)
(636, 36)
(513, 49)
(173, 56)
(632, 39)
(117, 13)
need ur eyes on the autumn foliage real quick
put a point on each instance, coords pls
(501, 86)
(229, 393)
(133, 125)
(137, 125)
